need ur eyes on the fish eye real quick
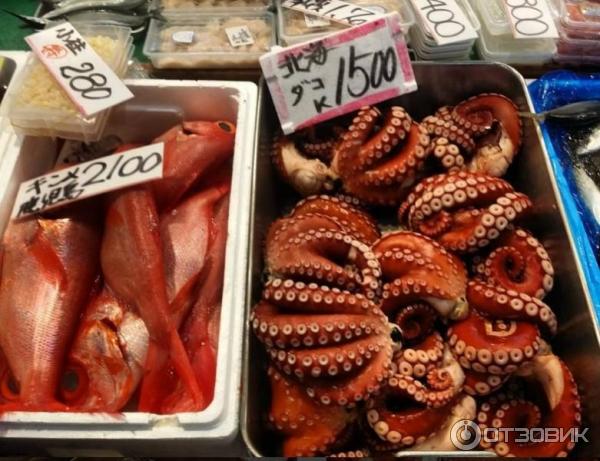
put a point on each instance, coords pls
(225, 126)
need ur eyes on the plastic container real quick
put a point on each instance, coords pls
(581, 17)
(206, 45)
(211, 6)
(35, 117)
(496, 41)
(158, 105)
(293, 27)
(426, 47)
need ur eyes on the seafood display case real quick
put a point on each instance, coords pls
(577, 340)
(157, 106)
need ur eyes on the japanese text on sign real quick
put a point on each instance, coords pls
(530, 18)
(444, 20)
(88, 179)
(239, 36)
(88, 81)
(318, 80)
(334, 10)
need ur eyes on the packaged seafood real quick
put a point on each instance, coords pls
(317, 362)
(158, 106)
(38, 106)
(190, 6)
(295, 27)
(496, 42)
(579, 32)
(209, 41)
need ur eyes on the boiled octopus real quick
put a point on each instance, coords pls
(463, 211)
(320, 317)
(481, 134)
(557, 406)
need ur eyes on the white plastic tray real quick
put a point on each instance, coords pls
(156, 107)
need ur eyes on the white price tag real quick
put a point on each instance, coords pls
(86, 78)
(184, 37)
(324, 78)
(89, 179)
(334, 10)
(239, 36)
(530, 19)
(444, 20)
(314, 21)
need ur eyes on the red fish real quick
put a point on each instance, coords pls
(192, 151)
(133, 268)
(48, 268)
(201, 329)
(185, 235)
(107, 358)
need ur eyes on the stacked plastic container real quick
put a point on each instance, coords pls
(192, 34)
(38, 106)
(579, 30)
(497, 43)
(295, 27)
(426, 48)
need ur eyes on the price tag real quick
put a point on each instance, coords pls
(324, 78)
(334, 10)
(239, 36)
(89, 179)
(530, 19)
(87, 79)
(445, 21)
(314, 21)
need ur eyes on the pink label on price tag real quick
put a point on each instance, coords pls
(318, 80)
(88, 81)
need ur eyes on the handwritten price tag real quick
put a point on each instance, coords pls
(530, 19)
(88, 179)
(321, 79)
(87, 79)
(334, 10)
(444, 20)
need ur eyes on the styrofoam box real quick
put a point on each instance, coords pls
(158, 105)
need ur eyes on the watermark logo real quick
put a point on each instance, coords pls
(466, 435)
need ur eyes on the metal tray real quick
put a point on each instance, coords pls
(577, 341)
(158, 105)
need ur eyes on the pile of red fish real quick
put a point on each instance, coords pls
(121, 292)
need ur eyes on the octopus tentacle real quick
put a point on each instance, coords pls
(415, 322)
(496, 302)
(379, 166)
(416, 268)
(561, 410)
(493, 347)
(361, 453)
(482, 384)
(519, 263)
(346, 209)
(474, 209)
(420, 359)
(309, 428)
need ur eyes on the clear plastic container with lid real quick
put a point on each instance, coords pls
(497, 43)
(427, 49)
(580, 18)
(204, 41)
(38, 106)
(296, 27)
(211, 6)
